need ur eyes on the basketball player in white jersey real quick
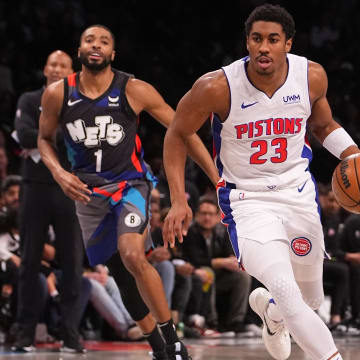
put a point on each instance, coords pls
(260, 107)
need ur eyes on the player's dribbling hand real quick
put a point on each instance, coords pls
(176, 223)
(72, 186)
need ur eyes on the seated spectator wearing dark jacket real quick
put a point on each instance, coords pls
(350, 244)
(336, 271)
(208, 249)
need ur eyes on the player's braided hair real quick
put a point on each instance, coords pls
(272, 13)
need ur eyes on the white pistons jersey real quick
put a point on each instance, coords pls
(261, 145)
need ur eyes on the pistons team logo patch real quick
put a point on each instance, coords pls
(301, 246)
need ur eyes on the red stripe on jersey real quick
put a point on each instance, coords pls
(221, 183)
(72, 79)
(307, 141)
(102, 192)
(138, 143)
(118, 194)
(136, 161)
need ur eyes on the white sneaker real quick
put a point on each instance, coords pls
(275, 336)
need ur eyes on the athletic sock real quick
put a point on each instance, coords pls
(155, 340)
(168, 330)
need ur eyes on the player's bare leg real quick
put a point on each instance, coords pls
(149, 284)
(147, 324)
(132, 252)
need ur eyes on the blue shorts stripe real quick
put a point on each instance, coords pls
(224, 202)
(134, 197)
(107, 243)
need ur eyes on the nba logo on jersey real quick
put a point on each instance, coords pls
(301, 246)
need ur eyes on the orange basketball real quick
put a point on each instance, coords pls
(346, 183)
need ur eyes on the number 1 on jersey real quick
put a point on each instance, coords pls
(98, 155)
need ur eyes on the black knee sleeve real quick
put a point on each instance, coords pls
(129, 292)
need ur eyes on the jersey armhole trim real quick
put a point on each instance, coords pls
(230, 107)
(308, 85)
(125, 101)
(66, 92)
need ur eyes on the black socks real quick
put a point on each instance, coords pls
(169, 332)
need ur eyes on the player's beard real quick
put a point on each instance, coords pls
(94, 66)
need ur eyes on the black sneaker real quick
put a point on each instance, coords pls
(177, 351)
(73, 347)
(24, 341)
(23, 346)
(71, 342)
(71, 350)
(159, 355)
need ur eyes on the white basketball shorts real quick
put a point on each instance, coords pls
(291, 214)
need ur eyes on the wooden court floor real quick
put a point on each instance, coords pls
(207, 349)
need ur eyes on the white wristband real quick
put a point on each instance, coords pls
(338, 141)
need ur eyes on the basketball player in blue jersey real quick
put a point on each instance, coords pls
(98, 110)
(260, 107)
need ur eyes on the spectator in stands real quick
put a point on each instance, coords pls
(10, 252)
(336, 271)
(10, 191)
(160, 257)
(4, 161)
(232, 285)
(208, 249)
(106, 299)
(350, 244)
(192, 192)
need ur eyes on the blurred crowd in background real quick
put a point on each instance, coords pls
(170, 45)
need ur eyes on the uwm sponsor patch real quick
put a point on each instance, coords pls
(301, 246)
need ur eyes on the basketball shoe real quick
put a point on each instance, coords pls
(158, 355)
(275, 336)
(177, 351)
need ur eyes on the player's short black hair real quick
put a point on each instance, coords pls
(10, 181)
(100, 26)
(272, 13)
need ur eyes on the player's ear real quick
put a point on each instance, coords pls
(113, 55)
(288, 45)
(247, 43)
(78, 52)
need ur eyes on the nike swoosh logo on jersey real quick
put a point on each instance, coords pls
(243, 106)
(300, 189)
(71, 103)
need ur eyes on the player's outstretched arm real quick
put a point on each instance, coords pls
(330, 134)
(209, 94)
(143, 96)
(51, 103)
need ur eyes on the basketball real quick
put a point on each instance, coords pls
(346, 183)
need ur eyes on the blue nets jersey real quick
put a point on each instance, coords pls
(101, 134)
